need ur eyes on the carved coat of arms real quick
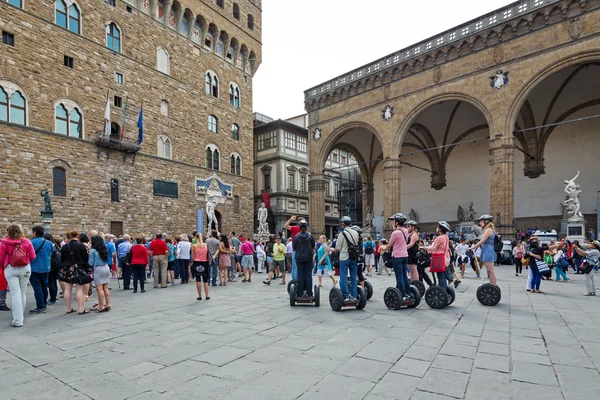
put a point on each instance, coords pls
(317, 134)
(499, 80)
(387, 113)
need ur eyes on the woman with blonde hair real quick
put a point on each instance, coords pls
(16, 253)
(324, 262)
(488, 254)
(199, 268)
(183, 258)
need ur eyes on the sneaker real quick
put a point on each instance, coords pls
(267, 282)
(51, 303)
(38, 311)
(478, 277)
(456, 283)
(143, 290)
(173, 284)
(214, 284)
(516, 274)
(350, 298)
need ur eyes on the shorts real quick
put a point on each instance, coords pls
(202, 276)
(275, 264)
(237, 258)
(248, 261)
(369, 259)
(171, 265)
(324, 271)
(412, 260)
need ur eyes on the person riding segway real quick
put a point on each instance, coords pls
(488, 294)
(403, 295)
(413, 249)
(304, 246)
(350, 248)
(439, 295)
(360, 263)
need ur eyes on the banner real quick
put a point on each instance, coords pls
(266, 198)
(200, 221)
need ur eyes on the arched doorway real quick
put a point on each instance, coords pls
(445, 163)
(556, 133)
(353, 179)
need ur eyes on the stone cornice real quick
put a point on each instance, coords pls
(454, 43)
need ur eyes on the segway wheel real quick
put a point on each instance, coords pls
(369, 289)
(317, 294)
(488, 294)
(362, 298)
(336, 299)
(436, 297)
(290, 283)
(292, 292)
(392, 298)
(416, 295)
(419, 285)
(451, 294)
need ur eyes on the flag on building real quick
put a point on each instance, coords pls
(107, 118)
(140, 126)
(266, 198)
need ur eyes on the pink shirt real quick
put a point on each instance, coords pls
(440, 244)
(398, 242)
(247, 248)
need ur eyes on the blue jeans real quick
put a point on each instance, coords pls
(537, 277)
(39, 284)
(294, 267)
(183, 270)
(345, 266)
(214, 270)
(560, 273)
(441, 277)
(305, 278)
(400, 265)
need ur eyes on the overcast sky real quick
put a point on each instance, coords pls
(308, 42)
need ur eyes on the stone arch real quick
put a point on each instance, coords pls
(539, 77)
(59, 163)
(68, 93)
(419, 109)
(14, 75)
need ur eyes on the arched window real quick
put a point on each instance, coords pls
(208, 41)
(68, 120)
(208, 82)
(220, 48)
(164, 147)
(13, 105)
(234, 95)
(164, 108)
(115, 132)
(163, 63)
(250, 22)
(59, 182)
(160, 10)
(235, 164)
(113, 37)
(212, 123)
(61, 13)
(74, 19)
(215, 86)
(236, 11)
(114, 191)
(221, 3)
(211, 83)
(235, 132)
(212, 157)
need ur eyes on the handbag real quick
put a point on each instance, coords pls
(542, 266)
(437, 262)
(562, 262)
(587, 268)
(18, 257)
(83, 275)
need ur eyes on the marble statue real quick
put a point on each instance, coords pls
(572, 203)
(211, 204)
(469, 214)
(460, 214)
(412, 215)
(263, 225)
(368, 223)
(47, 202)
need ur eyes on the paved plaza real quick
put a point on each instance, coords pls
(248, 343)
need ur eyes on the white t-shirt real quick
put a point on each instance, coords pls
(183, 250)
(289, 249)
(461, 250)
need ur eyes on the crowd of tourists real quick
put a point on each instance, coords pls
(84, 261)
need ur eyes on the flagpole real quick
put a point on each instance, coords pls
(106, 107)
(124, 117)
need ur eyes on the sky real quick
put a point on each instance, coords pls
(308, 42)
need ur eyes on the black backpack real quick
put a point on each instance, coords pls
(354, 249)
(55, 258)
(498, 243)
(369, 248)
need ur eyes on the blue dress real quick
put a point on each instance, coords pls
(488, 254)
(327, 259)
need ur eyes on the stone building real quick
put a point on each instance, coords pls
(188, 63)
(497, 111)
(281, 172)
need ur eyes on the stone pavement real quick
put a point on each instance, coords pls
(248, 343)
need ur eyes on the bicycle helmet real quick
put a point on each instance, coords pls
(303, 223)
(444, 226)
(412, 223)
(485, 217)
(399, 218)
(357, 229)
(346, 221)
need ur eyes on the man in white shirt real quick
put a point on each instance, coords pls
(461, 256)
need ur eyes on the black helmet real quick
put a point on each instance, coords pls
(346, 220)
(399, 218)
(356, 228)
(303, 223)
(444, 226)
(485, 217)
(412, 223)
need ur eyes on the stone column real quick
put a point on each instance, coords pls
(391, 182)
(502, 162)
(316, 187)
(167, 11)
(367, 200)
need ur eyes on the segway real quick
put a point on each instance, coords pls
(368, 288)
(314, 299)
(290, 283)
(436, 297)
(336, 299)
(487, 294)
(394, 301)
(419, 285)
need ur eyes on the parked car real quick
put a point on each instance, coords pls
(506, 257)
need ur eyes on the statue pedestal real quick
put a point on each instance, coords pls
(575, 230)
(369, 231)
(466, 228)
(263, 237)
(47, 222)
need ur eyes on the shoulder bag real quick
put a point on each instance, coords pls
(437, 262)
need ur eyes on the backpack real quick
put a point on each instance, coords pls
(354, 250)
(55, 258)
(498, 243)
(18, 257)
(369, 248)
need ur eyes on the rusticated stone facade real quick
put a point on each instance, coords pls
(35, 65)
